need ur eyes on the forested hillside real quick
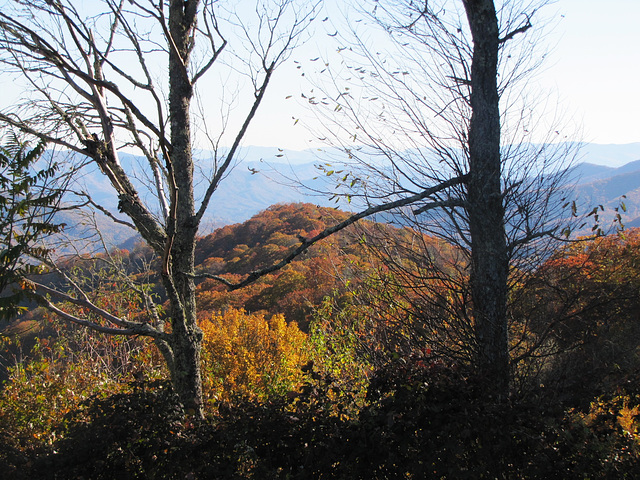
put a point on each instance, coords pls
(612, 191)
(335, 351)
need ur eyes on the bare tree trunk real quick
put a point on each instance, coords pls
(186, 337)
(489, 255)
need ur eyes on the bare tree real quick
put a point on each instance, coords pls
(105, 76)
(446, 105)
(93, 85)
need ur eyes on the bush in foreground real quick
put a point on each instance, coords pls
(424, 419)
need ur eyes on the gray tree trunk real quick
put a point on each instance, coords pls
(489, 256)
(85, 124)
(186, 337)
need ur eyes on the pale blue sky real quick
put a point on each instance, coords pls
(594, 70)
(596, 67)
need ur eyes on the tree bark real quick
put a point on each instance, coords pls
(186, 336)
(489, 256)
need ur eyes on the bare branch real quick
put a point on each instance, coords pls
(210, 28)
(305, 244)
(105, 211)
(518, 30)
(230, 155)
(125, 327)
(454, 202)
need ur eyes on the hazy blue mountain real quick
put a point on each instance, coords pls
(254, 186)
(265, 176)
(589, 172)
(629, 167)
(280, 156)
(261, 179)
(611, 155)
(633, 223)
(620, 187)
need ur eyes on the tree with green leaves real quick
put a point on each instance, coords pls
(29, 198)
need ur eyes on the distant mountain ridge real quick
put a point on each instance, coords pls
(265, 176)
(610, 188)
(611, 155)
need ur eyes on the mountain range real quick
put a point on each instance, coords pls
(611, 190)
(606, 177)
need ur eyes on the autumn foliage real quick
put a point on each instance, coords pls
(249, 356)
(236, 250)
(366, 364)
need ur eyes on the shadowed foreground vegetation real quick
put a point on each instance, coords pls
(422, 420)
(356, 387)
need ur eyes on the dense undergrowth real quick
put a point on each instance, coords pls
(415, 417)
(423, 419)
(368, 386)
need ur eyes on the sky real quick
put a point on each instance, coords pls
(596, 67)
(593, 69)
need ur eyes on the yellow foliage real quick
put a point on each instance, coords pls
(615, 413)
(59, 372)
(628, 419)
(38, 394)
(246, 355)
